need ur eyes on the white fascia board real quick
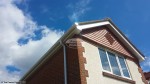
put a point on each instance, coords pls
(124, 40)
(86, 26)
(139, 56)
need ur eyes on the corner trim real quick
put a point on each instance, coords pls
(142, 75)
(82, 62)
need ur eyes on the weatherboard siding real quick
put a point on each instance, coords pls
(99, 35)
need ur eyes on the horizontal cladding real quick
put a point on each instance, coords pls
(99, 36)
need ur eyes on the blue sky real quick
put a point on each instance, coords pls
(28, 24)
(132, 18)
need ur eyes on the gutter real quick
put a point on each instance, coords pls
(65, 63)
(50, 52)
(76, 29)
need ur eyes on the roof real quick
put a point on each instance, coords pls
(147, 75)
(76, 29)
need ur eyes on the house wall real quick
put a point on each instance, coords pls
(73, 66)
(133, 68)
(147, 76)
(52, 71)
(83, 63)
(95, 71)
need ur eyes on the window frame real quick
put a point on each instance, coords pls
(117, 58)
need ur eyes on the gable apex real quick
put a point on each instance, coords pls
(107, 22)
(77, 28)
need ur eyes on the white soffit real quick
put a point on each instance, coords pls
(107, 23)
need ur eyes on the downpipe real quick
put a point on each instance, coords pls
(65, 63)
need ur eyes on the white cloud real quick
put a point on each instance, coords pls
(146, 64)
(78, 9)
(14, 24)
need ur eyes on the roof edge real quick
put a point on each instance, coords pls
(76, 29)
(108, 22)
(128, 41)
(73, 30)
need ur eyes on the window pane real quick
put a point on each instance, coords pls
(114, 64)
(124, 67)
(104, 60)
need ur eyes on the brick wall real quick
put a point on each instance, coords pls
(52, 71)
(73, 66)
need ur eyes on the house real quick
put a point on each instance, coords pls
(147, 76)
(94, 52)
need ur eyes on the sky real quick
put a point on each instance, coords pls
(28, 28)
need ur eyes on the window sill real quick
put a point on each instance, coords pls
(118, 78)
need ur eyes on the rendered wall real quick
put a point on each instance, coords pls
(133, 68)
(94, 67)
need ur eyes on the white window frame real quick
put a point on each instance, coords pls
(120, 69)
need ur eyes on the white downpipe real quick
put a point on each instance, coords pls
(65, 63)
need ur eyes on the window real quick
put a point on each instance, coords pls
(113, 63)
(123, 67)
(105, 63)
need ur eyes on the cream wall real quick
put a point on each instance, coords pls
(133, 68)
(94, 67)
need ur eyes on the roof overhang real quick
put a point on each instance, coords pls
(76, 29)
(116, 32)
